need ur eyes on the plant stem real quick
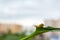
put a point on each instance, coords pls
(37, 32)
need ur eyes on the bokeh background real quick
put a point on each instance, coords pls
(20, 16)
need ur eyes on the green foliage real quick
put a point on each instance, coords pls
(40, 30)
(10, 36)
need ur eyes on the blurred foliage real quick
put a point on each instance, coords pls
(10, 36)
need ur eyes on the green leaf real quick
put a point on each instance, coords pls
(40, 30)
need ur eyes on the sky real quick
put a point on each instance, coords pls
(16, 9)
(26, 10)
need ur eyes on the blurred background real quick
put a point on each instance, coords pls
(18, 17)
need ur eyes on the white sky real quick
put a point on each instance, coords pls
(17, 9)
(28, 12)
